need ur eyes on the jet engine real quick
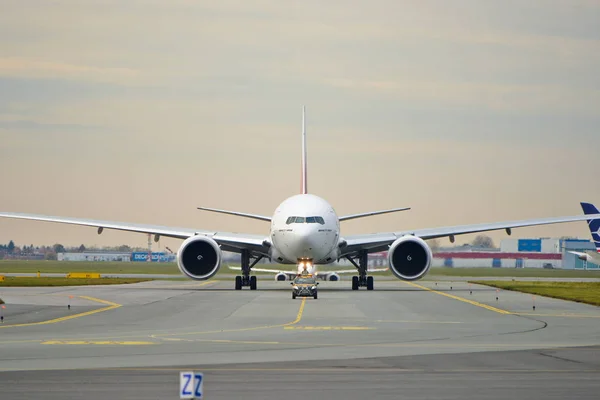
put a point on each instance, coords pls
(281, 277)
(333, 277)
(199, 257)
(409, 258)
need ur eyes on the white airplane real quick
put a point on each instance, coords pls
(594, 226)
(304, 230)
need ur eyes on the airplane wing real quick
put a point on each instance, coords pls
(371, 213)
(380, 241)
(234, 242)
(236, 213)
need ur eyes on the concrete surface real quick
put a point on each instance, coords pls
(402, 340)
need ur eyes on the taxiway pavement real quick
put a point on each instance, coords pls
(418, 340)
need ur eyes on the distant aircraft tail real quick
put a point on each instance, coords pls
(304, 188)
(594, 224)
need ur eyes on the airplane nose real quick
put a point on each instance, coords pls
(306, 237)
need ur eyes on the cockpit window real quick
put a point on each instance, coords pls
(307, 220)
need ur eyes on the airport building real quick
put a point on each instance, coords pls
(142, 256)
(94, 256)
(550, 253)
(497, 259)
(520, 253)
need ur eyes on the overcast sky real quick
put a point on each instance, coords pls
(468, 111)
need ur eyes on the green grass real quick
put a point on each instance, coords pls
(582, 292)
(516, 272)
(10, 281)
(85, 266)
(64, 267)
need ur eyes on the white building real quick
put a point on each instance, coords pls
(94, 256)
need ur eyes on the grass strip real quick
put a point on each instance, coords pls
(33, 266)
(516, 272)
(11, 281)
(107, 267)
(581, 292)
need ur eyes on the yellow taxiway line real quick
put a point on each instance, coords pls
(475, 303)
(110, 306)
(254, 328)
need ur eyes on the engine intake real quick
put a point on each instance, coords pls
(281, 277)
(199, 258)
(333, 277)
(409, 258)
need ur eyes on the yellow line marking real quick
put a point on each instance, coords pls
(300, 311)
(498, 310)
(110, 305)
(97, 342)
(329, 328)
(254, 328)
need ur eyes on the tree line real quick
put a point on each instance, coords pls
(49, 252)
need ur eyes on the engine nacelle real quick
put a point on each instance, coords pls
(199, 258)
(281, 277)
(333, 277)
(409, 258)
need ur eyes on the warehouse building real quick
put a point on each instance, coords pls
(94, 256)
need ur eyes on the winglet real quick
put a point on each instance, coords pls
(304, 166)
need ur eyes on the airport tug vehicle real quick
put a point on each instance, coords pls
(304, 286)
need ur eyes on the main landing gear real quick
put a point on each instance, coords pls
(362, 280)
(246, 279)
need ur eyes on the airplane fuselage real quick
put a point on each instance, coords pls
(304, 227)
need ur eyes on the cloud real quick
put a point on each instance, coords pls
(491, 96)
(425, 102)
(40, 69)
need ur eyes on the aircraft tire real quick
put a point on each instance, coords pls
(355, 283)
(369, 283)
(238, 283)
(253, 282)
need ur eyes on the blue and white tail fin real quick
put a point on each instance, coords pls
(304, 187)
(594, 224)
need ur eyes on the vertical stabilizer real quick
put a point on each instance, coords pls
(594, 224)
(304, 186)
